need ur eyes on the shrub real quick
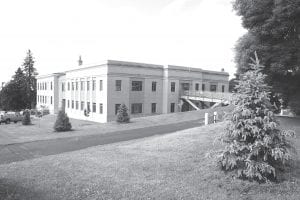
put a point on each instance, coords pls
(255, 147)
(26, 118)
(122, 115)
(62, 122)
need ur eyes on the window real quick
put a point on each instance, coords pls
(203, 87)
(153, 107)
(136, 86)
(72, 86)
(68, 103)
(118, 85)
(68, 86)
(136, 108)
(93, 85)
(153, 86)
(81, 85)
(51, 100)
(76, 85)
(88, 85)
(88, 107)
(81, 105)
(197, 86)
(72, 104)
(172, 107)
(101, 108)
(45, 86)
(172, 86)
(213, 88)
(94, 107)
(117, 108)
(223, 88)
(101, 85)
(45, 99)
(76, 105)
(51, 85)
(63, 87)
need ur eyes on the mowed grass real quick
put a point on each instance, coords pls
(172, 166)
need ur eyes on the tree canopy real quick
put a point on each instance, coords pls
(20, 92)
(274, 33)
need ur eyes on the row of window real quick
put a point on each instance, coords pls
(135, 86)
(43, 85)
(75, 105)
(75, 85)
(138, 86)
(44, 99)
(137, 108)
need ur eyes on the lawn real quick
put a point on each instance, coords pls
(42, 129)
(171, 166)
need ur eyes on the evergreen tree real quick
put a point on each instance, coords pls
(30, 73)
(26, 118)
(274, 33)
(62, 122)
(122, 115)
(13, 95)
(256, 148)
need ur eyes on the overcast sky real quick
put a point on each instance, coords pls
(196, 33)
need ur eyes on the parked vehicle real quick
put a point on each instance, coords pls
(7, 117)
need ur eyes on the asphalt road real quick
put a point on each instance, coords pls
(29, 150)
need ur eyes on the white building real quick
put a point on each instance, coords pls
(95, 92)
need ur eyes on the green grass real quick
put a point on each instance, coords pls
(171, 166)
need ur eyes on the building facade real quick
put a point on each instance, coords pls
(95, 92)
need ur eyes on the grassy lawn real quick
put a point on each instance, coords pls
(43, 128)
(171, 166)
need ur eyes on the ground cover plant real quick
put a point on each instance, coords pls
(256, 148)
(62, 122)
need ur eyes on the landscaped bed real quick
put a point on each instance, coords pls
(172, 166)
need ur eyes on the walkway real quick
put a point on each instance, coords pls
(29, 150)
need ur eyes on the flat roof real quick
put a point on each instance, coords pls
(136, 64)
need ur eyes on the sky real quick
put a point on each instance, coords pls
(195, 33)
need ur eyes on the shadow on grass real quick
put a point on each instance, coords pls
(10, 190)
(292, 171)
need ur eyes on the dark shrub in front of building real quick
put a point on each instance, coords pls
(62, 122)
(122, 115)
(26, 118)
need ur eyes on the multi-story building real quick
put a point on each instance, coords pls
(95, 92)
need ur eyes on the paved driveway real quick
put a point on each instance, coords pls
(29, 150)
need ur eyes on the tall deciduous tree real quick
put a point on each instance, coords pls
(274, 33)
(30, 73)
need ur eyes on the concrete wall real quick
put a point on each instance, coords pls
(47, 93)
(127, 72)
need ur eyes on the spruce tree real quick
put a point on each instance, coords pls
(62, 122)
(30, 73)
(255, 146)
(122, 115)
(26, 118)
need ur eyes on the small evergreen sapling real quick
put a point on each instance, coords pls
(122, 115)
(26, 118)
(62, 122)
(255, 147)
